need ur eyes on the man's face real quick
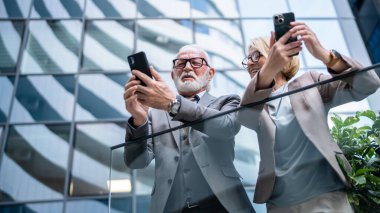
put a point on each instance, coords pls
(192, 78)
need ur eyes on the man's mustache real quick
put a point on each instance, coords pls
(188, 74)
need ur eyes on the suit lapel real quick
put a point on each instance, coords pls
(172, 124)
(206, 99)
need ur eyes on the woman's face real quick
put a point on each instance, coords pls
(255, 62)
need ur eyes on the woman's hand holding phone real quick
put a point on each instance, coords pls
(310, 40)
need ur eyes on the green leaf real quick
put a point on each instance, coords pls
(375, 196)
(360, 179)
(374, 193)
(373, 161)
(350, 120)
(368, 113)
(361, 171)
(377, 140)
(376, 125)
(353, 199)
(337, 120)
(365, 128)
(361, 147)
(374, 180)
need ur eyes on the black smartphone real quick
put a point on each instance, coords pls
(138, 61)
(282, 25)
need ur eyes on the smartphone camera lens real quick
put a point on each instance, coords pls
(279, 19)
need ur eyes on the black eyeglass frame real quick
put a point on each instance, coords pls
(255, 57)
(190, 59)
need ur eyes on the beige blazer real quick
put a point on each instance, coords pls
(310, 108)
(212, 143)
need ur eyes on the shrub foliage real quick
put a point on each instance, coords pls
(361, 146)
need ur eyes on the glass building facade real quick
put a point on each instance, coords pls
(367, 13)
(62, 73)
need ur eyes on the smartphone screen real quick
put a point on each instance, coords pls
(138, 61)
(282, 25)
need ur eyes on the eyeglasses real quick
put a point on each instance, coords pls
(254, 58)
(180, 63)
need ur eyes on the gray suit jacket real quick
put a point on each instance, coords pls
(310, 108)
(212, 143)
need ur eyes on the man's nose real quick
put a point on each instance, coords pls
(188, 66)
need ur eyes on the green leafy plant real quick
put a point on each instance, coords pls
(361, 147)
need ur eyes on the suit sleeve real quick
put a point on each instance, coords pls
(354, 88)
(249, 116)
(138, 154)
(219, 127)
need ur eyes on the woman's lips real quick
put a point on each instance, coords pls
(254, 70)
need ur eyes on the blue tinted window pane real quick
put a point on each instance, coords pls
(110, 8)
(143, 203)
(6, 90)
(107, 45)
(44, 98)
(90, 172)
(374, 44)
(14, 8)
(51, 207)
(10, 40)
(223, 42)
(101, 205)
(229, 82)
(52, 46)
(321, 8)
(331, 37)
(57, 8)
(160, 45)
(214, 9)
(101, 97)
(35, 162)
(1, 134)
(259, 8)
(164, 8)
(255, 28)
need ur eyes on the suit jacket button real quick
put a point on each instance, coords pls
(170, 181)
(176, 158)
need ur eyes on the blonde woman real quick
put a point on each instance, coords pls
(299, 171)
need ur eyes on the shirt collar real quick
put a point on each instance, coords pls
(200, 95)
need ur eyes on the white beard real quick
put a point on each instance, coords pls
(191, 86)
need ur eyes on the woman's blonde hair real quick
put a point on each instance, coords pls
(261, 44)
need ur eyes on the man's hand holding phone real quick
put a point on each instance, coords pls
(156, 94)
(142, 92)
(138, 110)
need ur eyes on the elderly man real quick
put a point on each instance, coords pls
(194, 169)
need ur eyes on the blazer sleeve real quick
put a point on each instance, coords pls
(354, 88)
(219, 127)
(249, 116)
(138, 154)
